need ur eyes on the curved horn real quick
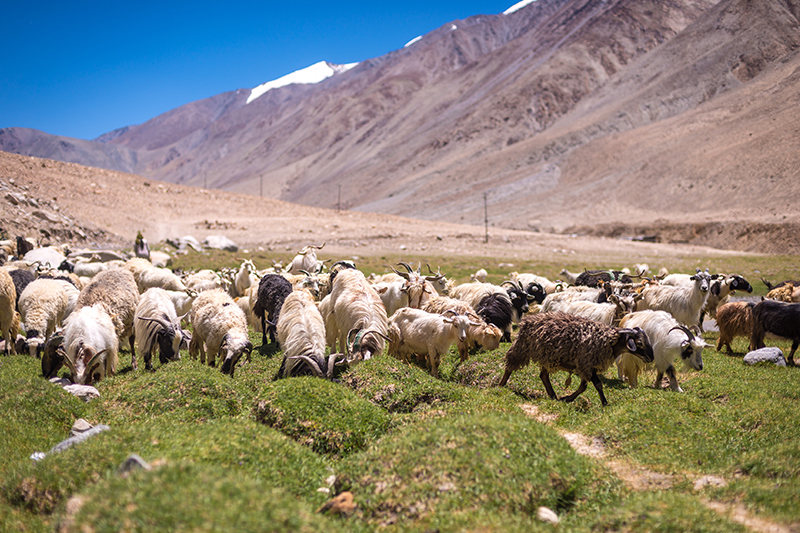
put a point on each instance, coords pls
(406, 266)
(403, 274)
(684, 329)
(165, 324)
(305, 272)
(311, 362)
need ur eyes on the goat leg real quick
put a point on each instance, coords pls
(544, 375)
(578, 392)
(673, 380)
(599, 386)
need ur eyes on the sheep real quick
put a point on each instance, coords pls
(527, 279)
(734, 319)
(669, 340)
(778, 318)
(609, 313)
(245, 303)
(784, 293)
(205, 280)
(683, 302)
(416, 332)
(306, 259)
(116, 290)
(158, 324)
(590, 278)
(245, 277)
(136, 265)
(719, 292)
(486, 335)
(91, 344)
(163, 278)
(558, 341)
(569, 277)
(770, 286)
(354, 311)
(301, 334)
(9, 318)
(42, 306)
(272, 291)
(480, 276)
(490, 302)
(219, 327)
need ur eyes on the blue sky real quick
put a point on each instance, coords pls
(81, 69)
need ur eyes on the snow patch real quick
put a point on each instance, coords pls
(517, 6)
(412, 41)
(313, 74)
(453, 27)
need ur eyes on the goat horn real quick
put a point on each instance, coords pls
(305, 272)
(403, 274)
(407, 266)
(685, 330)
(161, 321)
(314, 365)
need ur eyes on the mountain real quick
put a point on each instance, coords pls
(609, 117)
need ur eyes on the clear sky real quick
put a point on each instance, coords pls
(83, 68)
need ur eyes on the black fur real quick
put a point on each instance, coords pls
(779, 318)
(21, 279)
(496, 309)
(590, 278)
(272, 291)
(535, 292)
(519, 302)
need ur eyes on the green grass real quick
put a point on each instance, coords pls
(419, 454)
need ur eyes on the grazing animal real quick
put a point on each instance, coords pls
(219, 328)
(91, 345)
(157, 324)
(272, 291)
(682, 301)
(719, 292)
(592, 278)
(9, 318)
(116, 290)
(779, 318)
(43, 305)
(417, 332)
(21, 277)
(559, 341)
(306, 259)
(734, 319)
(487, 336)
(670, 341)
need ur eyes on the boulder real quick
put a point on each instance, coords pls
(765, 355)
(220, 242)
(84, 392)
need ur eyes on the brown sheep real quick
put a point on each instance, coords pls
(734, 319)
(559, 341)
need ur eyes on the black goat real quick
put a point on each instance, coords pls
(779, 318)
(590, 278)
(21, 279)
(272, 291)
(496, 309)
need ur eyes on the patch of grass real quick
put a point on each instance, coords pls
(495, 462)
(325, 416)
(191, 497)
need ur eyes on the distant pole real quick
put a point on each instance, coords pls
(205, 182)
(339, 201)
(261, 190)
(486, 218)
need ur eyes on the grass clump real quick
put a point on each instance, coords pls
(492, 462)
(191, 497)
(325, 416)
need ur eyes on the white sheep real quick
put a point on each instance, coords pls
(682, 301)
(42, 306)
(9, 318)
(116, 290)
(487, 336)
(205, 280)
(219, 327)
(301, 334)
(163, 278)
(609, 313)
(91, 345)
(157, 324)
(670, 340)
(354, 308)
(426, 335)
(480, 276)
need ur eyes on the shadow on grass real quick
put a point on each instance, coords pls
(269, 350)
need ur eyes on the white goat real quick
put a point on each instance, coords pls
(42, 306)
(417, 332)
(205, 280)
(609, 313)
(9, 318)
(683, 301)
(670, 340)
(219, 327)
(301, 334)
(354, 308)
(157, 324)
(162, 278)
(91, 345)
(306, 259)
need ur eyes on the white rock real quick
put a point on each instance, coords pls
(765, 355)
(84, 392)
(220, 242)
(547, 515)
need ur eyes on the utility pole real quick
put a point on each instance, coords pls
(339, 201)
(486, 218)
(261, 190)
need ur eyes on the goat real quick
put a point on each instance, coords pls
(734, 319)
(609, 313)
(272, 291)
(778, 318)
(683, 302)
(219, 328)
(719, 292)
(91, 345)
(306, 259)
(486, 335)
(670, 340)
(157, 324)
(417, 332)
(162, 278)
(42, 305)
(558, 341)
(9, 318)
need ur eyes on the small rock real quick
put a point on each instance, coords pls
(547, 515)
(766, 355)
(133, 462)
(84, 392)
(44, 215)
(12, 198)
(342, 505)
(80, 426)
(709, 481)
(220, 242)
(77, 439)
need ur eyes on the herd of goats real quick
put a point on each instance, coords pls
(77, 310)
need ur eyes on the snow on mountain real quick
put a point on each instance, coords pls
(517, 6)
(313, 74)
(412, 41)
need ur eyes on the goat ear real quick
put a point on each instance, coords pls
(631, 345)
